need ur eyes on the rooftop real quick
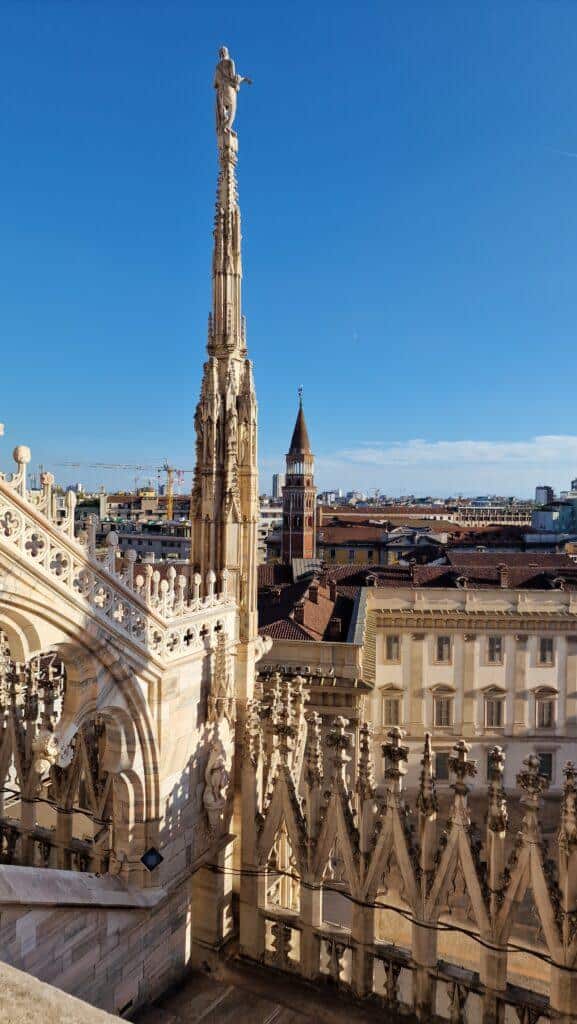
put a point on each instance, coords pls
(320, 606)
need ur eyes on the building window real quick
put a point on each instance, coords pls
(391, 710)
(494, 712)
(332, 554)
(393, 648)
(442, 766)
(545, 650)
(545, 712)
(370, 555)
(444, 649)
(351, 554)
(495, 650)
(443, 707)
(546, 764)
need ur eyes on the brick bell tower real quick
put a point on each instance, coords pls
(299, 495)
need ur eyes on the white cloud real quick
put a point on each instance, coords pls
(440, 467)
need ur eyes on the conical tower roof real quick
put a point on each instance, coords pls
(300, 439)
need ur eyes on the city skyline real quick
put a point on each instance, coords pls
(541, 461)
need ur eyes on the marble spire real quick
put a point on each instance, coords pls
(224, 505)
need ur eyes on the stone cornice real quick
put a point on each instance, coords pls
(423, 620)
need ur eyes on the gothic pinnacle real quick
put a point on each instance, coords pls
(224, 507)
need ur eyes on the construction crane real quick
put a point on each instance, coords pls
(165, 468)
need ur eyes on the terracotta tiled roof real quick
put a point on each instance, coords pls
(279, 606)
(495, 572)
(285, 629)
(272, 574)
(281, 602)
(525, 559)
(354, 534)
(382, 511)
(367, 575)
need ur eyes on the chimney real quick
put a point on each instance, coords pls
(334, 628)
(504, 578)
(314, 592)
(333, 590)
(299, 613)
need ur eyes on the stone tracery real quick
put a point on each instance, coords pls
(359, 838)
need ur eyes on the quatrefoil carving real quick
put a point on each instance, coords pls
(35, 545)
(59, 564)
(9, 523)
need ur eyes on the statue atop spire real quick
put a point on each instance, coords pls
(227, 84)
(224, 505)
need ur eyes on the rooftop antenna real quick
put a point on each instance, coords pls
(300, 394)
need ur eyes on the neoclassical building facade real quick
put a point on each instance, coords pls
(491, 665)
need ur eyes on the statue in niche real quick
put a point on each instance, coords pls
(209, 436)
(227, 84)
(231, 430)
(216, 779)
(199, 427)
(243, 443)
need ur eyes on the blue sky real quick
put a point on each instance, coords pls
(408, 182)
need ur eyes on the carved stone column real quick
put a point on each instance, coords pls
(310, 922)
(64, 820)
(563, 986)
(252, 883)
(424, 939)
(563, 995)
(363, 936)
(493, 959)
(28, 819)
(212, 899)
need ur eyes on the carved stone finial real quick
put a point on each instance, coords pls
(21, 455)
(272, 697)
(533, 785)
(253, 732)
(221, 698)
(461, 767)
(340, 743)
(568, 830)
(366, 772)
(427, 802)
(497, 816)
(283, 726)
(396, 757)
(313, 750)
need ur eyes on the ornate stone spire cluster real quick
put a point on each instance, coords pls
(344, 829)
(225, 491)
